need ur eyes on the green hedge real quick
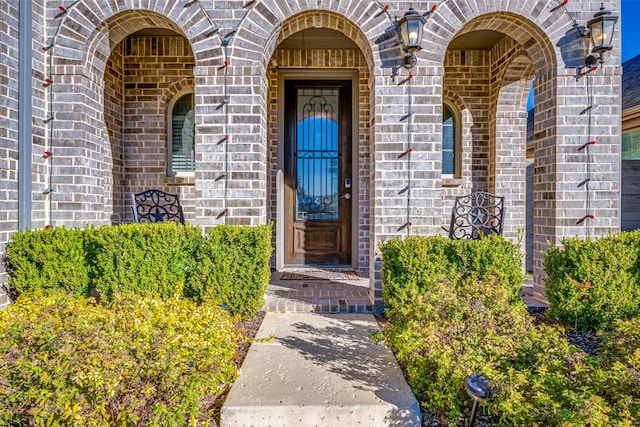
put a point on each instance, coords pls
(230, 265)
(140, 361)
(418, 263)
(592, 283)
(39, 261)
(154, 258)
(449, 318)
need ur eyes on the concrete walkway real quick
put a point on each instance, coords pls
(319, 370)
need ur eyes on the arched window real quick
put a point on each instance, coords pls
(450, 143)
(181, 133)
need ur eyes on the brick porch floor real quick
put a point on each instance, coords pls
(534, 296)
(307, 290)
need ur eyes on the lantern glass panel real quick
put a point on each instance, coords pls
(596, 33)
(609, 25)
(414, 30)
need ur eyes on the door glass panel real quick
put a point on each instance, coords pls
(317, 155)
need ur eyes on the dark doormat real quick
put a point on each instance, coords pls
(319, 275)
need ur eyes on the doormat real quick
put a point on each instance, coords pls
(319, 275)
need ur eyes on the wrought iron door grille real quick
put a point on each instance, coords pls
(317, 155)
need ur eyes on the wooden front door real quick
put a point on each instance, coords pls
(317, 164)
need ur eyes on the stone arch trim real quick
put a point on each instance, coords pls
(174, 88)
(93, 27)
(453, 98)
(525, 21)
(262, 31)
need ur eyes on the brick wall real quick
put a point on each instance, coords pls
(155, 69)
(114, 119)
(513, 72)
(467, 88)
(8, 130)
(9, 110)
(92, 149)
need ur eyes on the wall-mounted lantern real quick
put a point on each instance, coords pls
(410, 27)
(600, 33)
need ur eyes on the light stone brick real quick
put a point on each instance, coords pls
(112, 87)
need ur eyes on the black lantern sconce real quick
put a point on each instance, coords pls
(600, 33)
(410, 28)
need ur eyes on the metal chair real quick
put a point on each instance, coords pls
(475, 215)
(156, 206)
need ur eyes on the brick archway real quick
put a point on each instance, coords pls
(142, 75)
(347, 62)
(81, 55)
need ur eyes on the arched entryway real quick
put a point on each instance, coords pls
(149, 112)
(118, 71)
(489, 66)
(320, 143)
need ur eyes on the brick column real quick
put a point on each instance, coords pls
(391, 170)
(243, 156)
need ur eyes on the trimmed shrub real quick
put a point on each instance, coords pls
(41, 261)
(230, 265)
(424, 261)
(592, 283)
(231, 268)
(447, 322)
(154, 258)
(454, 330)
(141, 361)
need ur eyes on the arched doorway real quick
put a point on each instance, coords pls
(319, 144)
(149, 114)
(110, 123)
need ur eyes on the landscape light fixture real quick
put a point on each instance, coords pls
(478, 389)
(410, 27)
(600, 32)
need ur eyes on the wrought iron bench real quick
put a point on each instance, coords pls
(156, 206)
(475, 215)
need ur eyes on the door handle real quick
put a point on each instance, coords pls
(347, 196)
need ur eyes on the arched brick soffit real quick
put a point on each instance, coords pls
(520, 70)
(528, 22)
(264, 28)
(93, 27)
(170, 92)
(452, 98)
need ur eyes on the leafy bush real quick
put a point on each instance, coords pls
(231, 267)
(447, 322)
(619, 375)
(141, 361)
(590, 283)
(423, 261)
(154, 258)
(41, 261)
